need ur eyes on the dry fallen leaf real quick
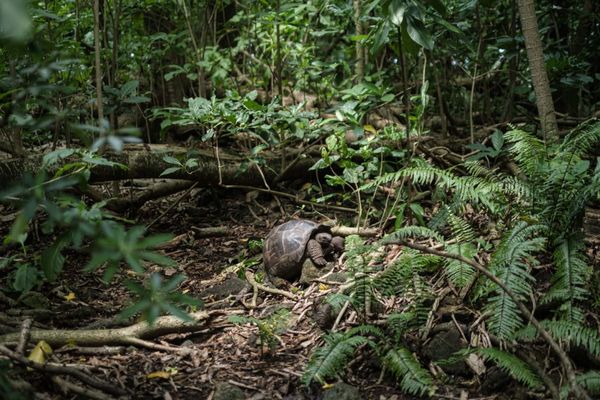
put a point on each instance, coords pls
(70, 297)
(159, 374)
(39, 352)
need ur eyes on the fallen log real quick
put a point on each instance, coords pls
(118, 336)
(147, 161)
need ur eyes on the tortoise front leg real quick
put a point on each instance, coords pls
(315, 252)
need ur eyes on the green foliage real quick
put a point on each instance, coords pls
(118, 245)
(459, 273)
(414, 379)
(511, 263)
(157, 298)
(268, 328)
(7, 390)
(510, 363)
(263, 125)
(572, 332)
(589, 380)
(570, 279)
(331, 358)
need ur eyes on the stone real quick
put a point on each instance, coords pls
(310, 271)
(342, 391)
(227, 391)
(444, 344)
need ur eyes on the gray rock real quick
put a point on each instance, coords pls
(310, 271)
(229, 287)
(227, 391)
(342, 391)
(443, 344)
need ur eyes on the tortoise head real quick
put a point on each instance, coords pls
(324, 238)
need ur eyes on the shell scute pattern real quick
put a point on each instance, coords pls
(285, 247)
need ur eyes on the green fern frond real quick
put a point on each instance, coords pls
(569, 280)
(510, 265)
(459, 273)
(582, 139)
(461, 230)
(365, 330)
(363, 291)
(414, 379)
(589, 380)
(529, 151)
(328, 360)
(575, 334)
(399, 276)
(513, 365)
(414, 317)
(475, 168)
(516, 187)
(412, 231)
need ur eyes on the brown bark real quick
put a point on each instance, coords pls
(539, 76)
(99, 104)
(360, 52)
(119, 336)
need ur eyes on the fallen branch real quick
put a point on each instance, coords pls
(187, 192)
(350, 230)
(562, 356)
(118, 336)
(67, 387)
(63, 370)
(212, 231)
(252, 281)
(152, 192)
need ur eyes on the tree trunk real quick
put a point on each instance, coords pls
(360, 53)
(98, 64)
(539, 76)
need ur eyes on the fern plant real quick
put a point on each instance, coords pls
(511, 364)
(511, 263)
(414, 379)
(330, 359)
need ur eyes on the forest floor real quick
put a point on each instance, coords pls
(224, 356)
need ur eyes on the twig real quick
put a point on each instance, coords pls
(290, 196)
(25, 335)
(252, 281)
(173, 205)
(563, 357)
(340, 315)
(155, 346)
(67, 386)
(60, 369)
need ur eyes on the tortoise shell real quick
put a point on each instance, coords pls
(284, 250)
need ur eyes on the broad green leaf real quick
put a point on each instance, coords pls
(417, 32)
(52, 260)
(26, 277)
(171, 160)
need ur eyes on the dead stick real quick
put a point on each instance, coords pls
(290, 196)
(172, 205)
(60, 369)
(25, 335)
(67, 386)
(563, 357)
(252, 281)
